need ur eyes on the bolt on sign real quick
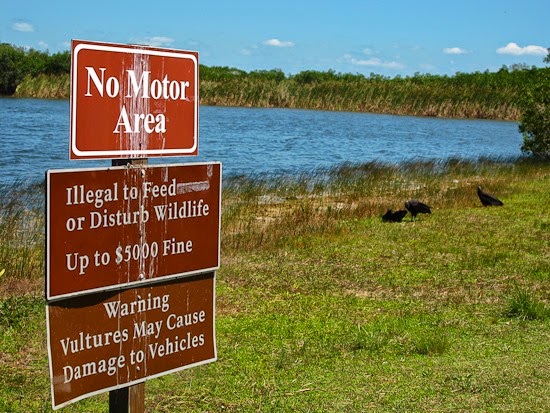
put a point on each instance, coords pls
(109, 228)
(105, 341)
(132, 101)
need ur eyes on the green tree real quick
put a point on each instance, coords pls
(58, 63)
(11, 72)
(534, 122)
(33, 62)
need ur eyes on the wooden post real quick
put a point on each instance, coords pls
(129, 399)
(122, 162)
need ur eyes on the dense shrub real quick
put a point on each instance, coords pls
(535, 117)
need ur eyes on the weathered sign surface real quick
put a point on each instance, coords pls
(104, 341)
(113, 227)
(132, 101)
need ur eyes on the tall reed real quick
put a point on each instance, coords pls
(45, 87)
(21, 232)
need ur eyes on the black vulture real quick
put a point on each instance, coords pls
(415, 207)
(488, 199)
(396, 216)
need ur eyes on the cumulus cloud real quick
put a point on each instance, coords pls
(514, 49)
(278, 43)
(22, 27)
(454, 50)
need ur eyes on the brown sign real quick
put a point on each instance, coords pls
(132, 101)
(104, 341)
(114, 227)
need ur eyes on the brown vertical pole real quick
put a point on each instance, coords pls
(129, 399)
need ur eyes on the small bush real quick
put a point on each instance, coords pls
(524, 305)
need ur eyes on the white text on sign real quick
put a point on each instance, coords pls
(137, 86)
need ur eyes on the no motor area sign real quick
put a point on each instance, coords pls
(132, 101)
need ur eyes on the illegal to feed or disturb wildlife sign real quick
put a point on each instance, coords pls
(104, 341)
(108, 228)
(132, 101)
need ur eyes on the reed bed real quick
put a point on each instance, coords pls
(45, 87)
(260, 212)
(458, 97)
(477, 95)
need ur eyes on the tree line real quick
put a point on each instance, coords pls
(517, 92)
(18, 63)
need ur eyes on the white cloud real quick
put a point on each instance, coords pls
(374, 62)
(157, 41)
(43, 44)
(454, 50)
(22, 27)
(278, 43)
(514, 49)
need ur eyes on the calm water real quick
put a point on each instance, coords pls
(35, 137)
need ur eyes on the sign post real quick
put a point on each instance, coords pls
(131, 250)
(128, 399)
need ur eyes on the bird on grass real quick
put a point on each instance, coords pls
(416, 207)
(391, 216)
(488, 199)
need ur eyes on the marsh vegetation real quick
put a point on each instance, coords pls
(323, 307)
(482, 95)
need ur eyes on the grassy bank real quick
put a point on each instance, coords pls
(465, 95)
(322, 307)
(45, 87)
(480, 96)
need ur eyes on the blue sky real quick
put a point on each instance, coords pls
(387, 37)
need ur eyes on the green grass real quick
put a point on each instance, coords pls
(322, 307)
